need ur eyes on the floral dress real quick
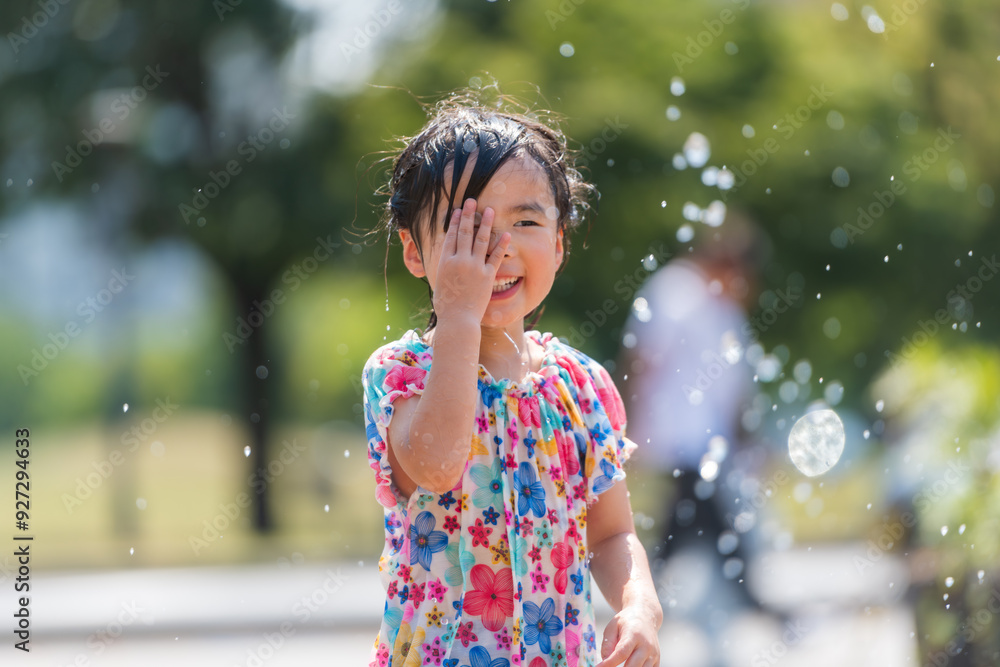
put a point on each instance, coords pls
(496, 572)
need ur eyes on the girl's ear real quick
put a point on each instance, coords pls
(559, 247)
(411, 256)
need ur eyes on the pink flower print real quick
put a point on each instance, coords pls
(572, 648)
(539, 580)
(465, 634)
(527, 411)
(512, 432)
(562, 558)
(401, 375)
(451, 523)
(436, 591)
(480, 534)
(526, 526)
(503, 640)
(434, 652)
(391, 590)
(404, 573)
(481, 425)
(535, 554)
(491, 597)
(382, 656)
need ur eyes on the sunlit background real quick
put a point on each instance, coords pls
(189, 298)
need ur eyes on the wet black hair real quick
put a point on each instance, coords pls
(465, 125)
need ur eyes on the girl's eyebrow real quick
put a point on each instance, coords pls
(526, 206)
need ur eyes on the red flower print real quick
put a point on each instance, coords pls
(465, 633)
(537, 662)
(480, 534)
(491, 597)
(404, 573)
(535, 554)
(451, 523)
(400, 376)
(526, 526)
(417, 593)
(391, 591)
(562, 558)
(611, 399)
(571, 531)
(567, 453)
(527, 411)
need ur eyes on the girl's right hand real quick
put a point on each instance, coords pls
(465, 274)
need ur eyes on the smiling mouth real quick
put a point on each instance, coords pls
(504, 286)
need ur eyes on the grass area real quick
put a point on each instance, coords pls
(144, 506)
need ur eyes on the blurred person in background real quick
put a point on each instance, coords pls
(687, 385)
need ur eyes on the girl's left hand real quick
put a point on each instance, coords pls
(631, 640)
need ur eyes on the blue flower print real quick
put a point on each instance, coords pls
(530, 492)
(425, 541)
(490, 515)
(371, 431)
(450, 662)
(480, 657)
(577, 581)
(540, 624)
(489, 483)
(488, 393)
(588, 636)
(447, 500)
(600, 432)
(605, 480)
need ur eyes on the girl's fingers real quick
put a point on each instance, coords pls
(482, 241)
(450, 239)
(499, 250)
(466, 228)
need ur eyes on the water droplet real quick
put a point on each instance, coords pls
(840, 177)
(866, 434)
(685, 233)
(566, 50)
(816, 442)
(980, 575)
(961, 529)
(827, 267)
(326, 508)
(673, 113)
(677, 87)
(697, 149)
(125, 408)
(246, 451)
(944, 530)
(131, 551)
(347, 453)
(879, 404)
(886, 259)
(262, 372)
(869, 505)
(140, 503)
(949, 582)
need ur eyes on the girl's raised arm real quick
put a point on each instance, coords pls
(430, 435)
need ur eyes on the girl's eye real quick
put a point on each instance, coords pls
(527, 222)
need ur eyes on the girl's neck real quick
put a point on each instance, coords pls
(505, 352)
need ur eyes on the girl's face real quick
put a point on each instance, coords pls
(521, 197)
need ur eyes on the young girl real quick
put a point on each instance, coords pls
(498, 452)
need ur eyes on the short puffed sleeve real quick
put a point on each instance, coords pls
(603, 413)
(393, 371)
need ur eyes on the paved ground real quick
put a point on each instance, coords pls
(833, 615)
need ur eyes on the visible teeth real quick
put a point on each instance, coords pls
(501, 285)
